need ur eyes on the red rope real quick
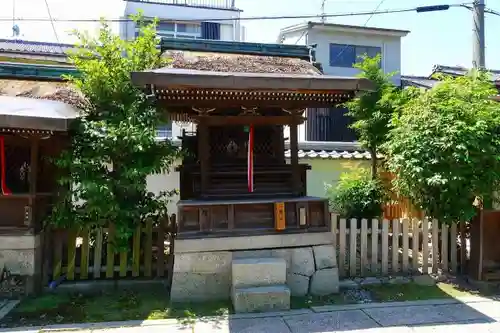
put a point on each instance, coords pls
(5, 189)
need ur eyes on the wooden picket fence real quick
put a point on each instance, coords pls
(399, 246)
(86, 255)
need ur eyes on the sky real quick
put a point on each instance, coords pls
(443, 37)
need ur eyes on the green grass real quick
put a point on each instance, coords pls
(153, 303)
(414, 292)
(112, 306)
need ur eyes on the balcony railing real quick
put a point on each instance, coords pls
(222, 4)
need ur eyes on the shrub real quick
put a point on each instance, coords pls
(357, 195)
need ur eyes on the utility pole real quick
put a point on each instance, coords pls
(478, 44)
(323, 17)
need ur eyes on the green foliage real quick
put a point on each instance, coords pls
(357, 195)
(445, 146)
(114, 146)
(372, 111)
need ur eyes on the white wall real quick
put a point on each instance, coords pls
(230, 30)
(391, 50)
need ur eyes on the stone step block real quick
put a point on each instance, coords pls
(258, 272)
(261, 299)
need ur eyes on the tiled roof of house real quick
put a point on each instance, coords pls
(460, 71)
(332, 154)
(429, 81)
(417, 81)
(33, 47)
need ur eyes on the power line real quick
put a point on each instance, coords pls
(52, 22)
(368, 20)
(345, 14)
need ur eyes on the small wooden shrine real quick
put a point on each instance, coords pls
(234, 179)
(31, 132)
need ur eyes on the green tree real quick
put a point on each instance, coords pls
(372, 111)
(114, 146)
(445, 147)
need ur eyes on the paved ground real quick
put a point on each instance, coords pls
(478, 315)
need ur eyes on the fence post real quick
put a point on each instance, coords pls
(444, 247)
(374, 235)
(406, 245)
(395, 246)
(425, 246)
(385, 247)
(415, 244)
(364, 246)
(435, 246)
(342, 246)
(453, 247)
(353, 233)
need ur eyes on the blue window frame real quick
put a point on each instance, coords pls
(343, 55)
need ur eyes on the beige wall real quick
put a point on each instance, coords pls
(328, 171)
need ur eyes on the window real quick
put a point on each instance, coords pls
(164, 131)
(177, 30)
(342, 55)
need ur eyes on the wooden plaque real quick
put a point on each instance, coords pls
(279, 216)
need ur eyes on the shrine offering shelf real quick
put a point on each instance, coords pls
(251, 216)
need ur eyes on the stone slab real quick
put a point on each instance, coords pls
(325, 282)
(262, 325)
(283, 254)
(325, 256)
(330, 322)
(409, 315)
(18, 262)
(261, 299)
(302, 261)
(252, 242)
(200, 287)
(252, 254)
(257, 272)
(203, 262)
(298, 284)
(19, 242)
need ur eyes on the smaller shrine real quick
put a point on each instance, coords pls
(33, 130)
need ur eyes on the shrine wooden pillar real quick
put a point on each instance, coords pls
(204, 154)
(30, 213)
(294, 155)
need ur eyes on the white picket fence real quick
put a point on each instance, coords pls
(400, 246)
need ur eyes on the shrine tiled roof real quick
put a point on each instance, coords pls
(240, 63)
(45, 90)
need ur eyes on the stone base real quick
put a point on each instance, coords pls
(21, 256)
(200, 276)
(261, 299)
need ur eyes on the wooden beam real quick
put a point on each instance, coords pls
(294, 157)
(204, 154)
(34, 149)
(247, 120)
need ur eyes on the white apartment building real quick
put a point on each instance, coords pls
(204, 19)
(337, 48)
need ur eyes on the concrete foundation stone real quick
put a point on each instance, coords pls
(298, 284)
(325, 282)
(203, 262)
(283, 254)
(302, 261)
(325, 256)
(254, 272)
(261, 299)
(252, 254)
(188, 286)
